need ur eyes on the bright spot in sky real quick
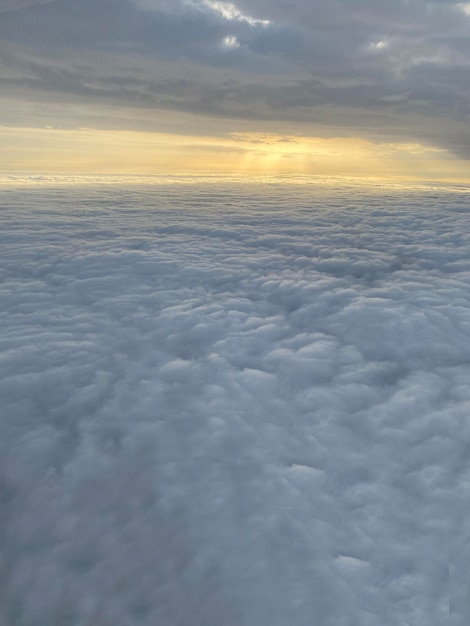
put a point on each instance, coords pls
(88, 151)
(465, 7)
(230, 12)
(231, 42)
(379, 45)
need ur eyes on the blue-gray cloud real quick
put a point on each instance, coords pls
(224, 406)
(404, 66)
(16, 5)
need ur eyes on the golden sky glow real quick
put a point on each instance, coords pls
(29, 150)
(252, 87)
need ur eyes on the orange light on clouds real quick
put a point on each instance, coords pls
(86, 151)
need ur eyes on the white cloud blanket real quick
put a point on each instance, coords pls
(234, 406)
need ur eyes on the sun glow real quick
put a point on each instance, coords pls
(86, 151)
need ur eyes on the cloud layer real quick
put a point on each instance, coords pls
(17, 5)
(385, 71)
(223, 406)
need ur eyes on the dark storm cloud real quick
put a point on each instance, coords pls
(396, 70)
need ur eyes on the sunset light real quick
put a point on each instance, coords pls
(234, 312)
(89, 151)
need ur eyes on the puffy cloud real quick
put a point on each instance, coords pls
(227, 405)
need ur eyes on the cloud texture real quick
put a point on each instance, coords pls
(16, 5)
(387, 71)
(221, 406)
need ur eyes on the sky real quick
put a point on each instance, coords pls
(346, 87)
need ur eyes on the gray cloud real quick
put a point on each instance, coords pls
(16, 5)
(404, 65)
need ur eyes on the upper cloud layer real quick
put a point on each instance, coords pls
(391, 69)
(16, 5)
